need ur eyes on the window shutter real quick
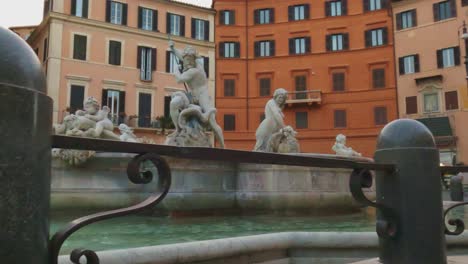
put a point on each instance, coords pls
(411, 105)
(401, 65)
(237, 49)
(272, 15)
(124, 14)
(327, 8)
(290, 13)
(73, 8)
(232, 17)
(306, 11)
(139, 50)
(308, 44)
(451, 100)
(435, 8)
(272, 48)
(464, 2)
(328, 42)
(118, 52)
(221, 49)
(453, 8)
(338, 81)
(365, 4)
(122, 101)
(414, 17)
(229, 122)
(182, 26)
(207, 30)
(221, 17)
(416, 63)
(380, 115)
(385, 35)
(104, 98)
(256, 16)
(140, 17)
(155, 20)
(153, 59)
(193, 27)
(344, 7)
(292, 49)
(85, 8)
(378, 78)
(257, 48)
(368, 38)
(108, 8)
(346, 41)
(384, 4)
(340, 118)
(440, 59)
(168, 23)
(168, 61)
(456, 52)
(206, 65)
(398, 21)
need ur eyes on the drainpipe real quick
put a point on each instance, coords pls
(395, 73)
(247, 61)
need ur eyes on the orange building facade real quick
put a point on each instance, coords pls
(335, 58)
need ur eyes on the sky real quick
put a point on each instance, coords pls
(29, 12)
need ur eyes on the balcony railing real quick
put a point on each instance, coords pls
(304, 97)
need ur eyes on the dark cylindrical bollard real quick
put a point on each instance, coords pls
(25, 148)
(456, 188)
(413, 192)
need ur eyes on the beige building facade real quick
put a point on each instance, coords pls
(431, 74)
(117, 52)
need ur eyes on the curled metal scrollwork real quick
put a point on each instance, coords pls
(135, 175)
(362, 178)
(457, 223)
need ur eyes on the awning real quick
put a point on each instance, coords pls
(441, 129)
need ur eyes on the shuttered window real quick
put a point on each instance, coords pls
(448, 57)
(409, 64)
(340, 118)
(380, 115)
(229, 87)
(407, 19)
(115, 52)
(116, 12)
(146, 62)
(376, 37)
(227, 17)
(229, 49)
(451, 100)
(79, 8)
(175, 24)
(298, 12)
(229, 122)
(373, 5)
(147, 19)
(302, 121)
(338, 81)
(79, 47)
(299, 45)
(411, 105)
(200, 29)
(378, 78)
(265, 86)
(445, 10)
(264, 16)
(301, 87)
(336, 8)
(336, 42)
(264, 48)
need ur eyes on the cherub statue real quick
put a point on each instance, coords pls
(341, 149)
(273, 121)
(284, 141)
(197, 100)
(104, 127)
(127, 134)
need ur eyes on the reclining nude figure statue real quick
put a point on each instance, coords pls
(192, 112)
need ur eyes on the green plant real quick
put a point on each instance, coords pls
(165, 122)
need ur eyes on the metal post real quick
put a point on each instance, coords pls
(413, 192)
(25, 148)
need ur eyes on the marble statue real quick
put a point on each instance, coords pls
(342, 150)
(127, 134)
(284, 141)
(192, 112)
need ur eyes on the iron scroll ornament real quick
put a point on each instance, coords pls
(136, 176)
(362, 178)
(457, 222)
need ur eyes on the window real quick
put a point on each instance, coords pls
(380, 116)
(340, 118)
(376, 37)
(265, 86)
(451, 100)
(79, 47)
(409, 64)
(336, 8)
(337, 42)
(229, 49)
(411, 105)
(445, 10)
(373, 5)
(45, 52)
(265, 48)
(407, 19)
(115, 100)
(200, 29)
(227, 17)
(301, 87)
(116, 13)
(167, 106)
(229, 87)
(338, 81)
(146, 62)
(264, 16)
(172, 63)
(76, 98)
(206, 65)
(229, 122)
(175, 24)
(79, 8)
(144, 110)
(115, 52)
(302, 121)
(298, 12)
(431, 102)
(378, 78)
(299, 45)
(448, 57)
(147, 19)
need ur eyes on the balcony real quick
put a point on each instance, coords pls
(308, 97)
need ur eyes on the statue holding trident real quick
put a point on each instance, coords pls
(193, 111)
